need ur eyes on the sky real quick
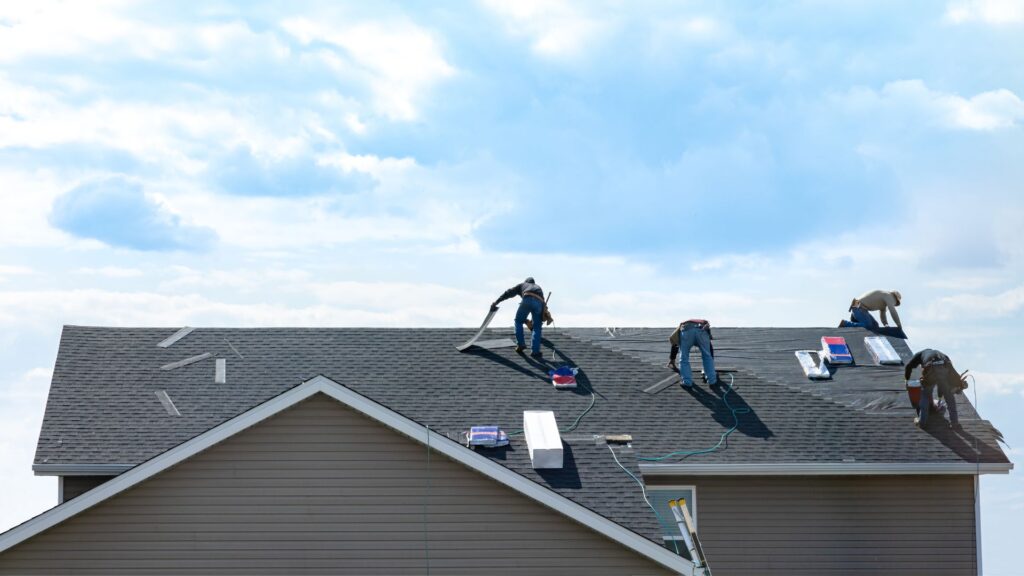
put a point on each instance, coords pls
(388, 164)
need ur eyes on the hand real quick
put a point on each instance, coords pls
(494, 306)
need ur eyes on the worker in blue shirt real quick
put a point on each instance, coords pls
(532, 305)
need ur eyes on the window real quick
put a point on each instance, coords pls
(659, 497)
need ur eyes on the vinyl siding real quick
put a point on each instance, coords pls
(321, 489)
(832, 526)
(78, 485)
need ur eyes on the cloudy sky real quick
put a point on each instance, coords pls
(380, 164)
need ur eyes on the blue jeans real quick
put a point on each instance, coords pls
(534, 308)
(689, 338)
(860, 318)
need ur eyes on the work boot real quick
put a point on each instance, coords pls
(537, 355)
(672, 366)
(956, 427)
(519, 349)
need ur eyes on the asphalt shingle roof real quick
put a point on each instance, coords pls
(102, 407)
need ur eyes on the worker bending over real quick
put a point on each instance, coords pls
(881, 301)
(936, 371)
(693, 332)
(532, 305)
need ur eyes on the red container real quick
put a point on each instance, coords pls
(914, 392)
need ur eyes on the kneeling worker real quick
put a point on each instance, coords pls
(880, 301)
(532, 305)
(936, 371)
(694, 332)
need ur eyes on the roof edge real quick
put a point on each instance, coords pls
(376, 411)
(826, 469)
(80, 469)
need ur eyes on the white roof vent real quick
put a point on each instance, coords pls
(542, 438)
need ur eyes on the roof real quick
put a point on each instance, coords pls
(103, 410)
(645, 546)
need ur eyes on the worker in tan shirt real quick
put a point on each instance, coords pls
(881, 301)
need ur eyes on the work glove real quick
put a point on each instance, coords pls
(548, 319)
(494, 306)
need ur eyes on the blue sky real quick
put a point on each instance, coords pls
(388, 164)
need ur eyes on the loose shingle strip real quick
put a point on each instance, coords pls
(166, 343)
(220, 375)
(168, 405)
(186, 361)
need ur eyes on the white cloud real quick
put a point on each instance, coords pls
(22, 401)
(999, 305)
(110, 272)
(999, 383)
(995, 12)
(47, 27)
(367, 164)
(7, 270)
(177, 136)
(912, 99)
(556, 29)
(401, 61)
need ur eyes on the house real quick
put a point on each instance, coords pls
(341, 451)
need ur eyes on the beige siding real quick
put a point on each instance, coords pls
(321, 489)
(831, 526)
(78, 485)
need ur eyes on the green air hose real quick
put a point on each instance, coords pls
(576, 423)
(736, 411)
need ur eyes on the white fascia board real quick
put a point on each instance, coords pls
(386, 416)
(80, 469)
(825, 469)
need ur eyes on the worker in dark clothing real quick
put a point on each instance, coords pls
(532, 305)
(694, 332)
(936, 371)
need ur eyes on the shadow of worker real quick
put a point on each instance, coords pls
(723, 403)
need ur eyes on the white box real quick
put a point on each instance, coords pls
(813, 370)
(882, 351)
(542, 438)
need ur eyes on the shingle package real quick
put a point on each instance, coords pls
(563, 377)
(835, 350)
(881, 350)
(542, 438)
(487, 437)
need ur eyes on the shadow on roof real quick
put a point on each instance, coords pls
(565, 477)
(966, 445)
(749, 423)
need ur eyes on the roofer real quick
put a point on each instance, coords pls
(936, 371)
(693, 332)
(880, 301)
(532, 305)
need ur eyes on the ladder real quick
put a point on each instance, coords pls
(682, 516)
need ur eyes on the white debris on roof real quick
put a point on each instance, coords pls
(220, 372)
(168, 405)
(186, 361)
(166, 343)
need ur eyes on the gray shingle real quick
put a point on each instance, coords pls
(102, 407)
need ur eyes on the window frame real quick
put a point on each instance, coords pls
(693, 490)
